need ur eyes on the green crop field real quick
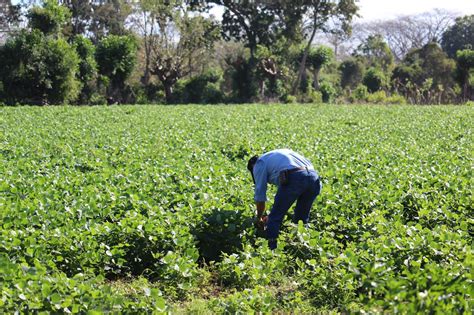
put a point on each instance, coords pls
(141, 209)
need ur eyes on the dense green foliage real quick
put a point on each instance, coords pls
(149, 51)
(374, 79)
(123, 209)
(425, 75)
(465, 71)
(459, 36)
(87, 73)
(116, 58)
(376, 53)
(36, 69)
(50, 18)
(352, 71)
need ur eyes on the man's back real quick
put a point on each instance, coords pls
(269, 165)
(273, 162)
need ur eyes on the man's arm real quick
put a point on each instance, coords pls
(260, 208)
(260, 198)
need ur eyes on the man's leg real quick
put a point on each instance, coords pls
(284, 198)
(305, 201)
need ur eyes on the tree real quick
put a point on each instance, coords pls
(87, 73)
(459, 36)
(116, 58)
(465, 72)
(319, 12)
(82, 13)
(50, 18)
(144, 23)
(174, 38)
(425, 75)
(267, 72)
(352, 72)
(9, 17)
(317, 58)
(259, 22)
(263, 24)
(108, 18)
(376, 52)
(37, 69)
(97, 18)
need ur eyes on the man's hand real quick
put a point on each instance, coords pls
(261, 222)
(260, 208)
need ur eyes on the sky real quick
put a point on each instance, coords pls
(388, 9)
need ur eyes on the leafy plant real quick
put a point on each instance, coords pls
(109, 209)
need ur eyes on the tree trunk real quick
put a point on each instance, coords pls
(146, 74)
(465, 91)
(305, 56)
(316, 78)
(168, 92)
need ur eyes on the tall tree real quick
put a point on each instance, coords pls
(98, 18)
(36, 69)
(317, 58)
(81, 16)
(109, 17)
(87, 73)
(376, 52)
(174, 38)
(459, 36)
(259, 22)
(37, 65)
(319, 12)
(9, 17)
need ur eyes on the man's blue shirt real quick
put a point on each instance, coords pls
(269, 166)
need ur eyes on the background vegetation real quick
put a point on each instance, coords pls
(174, 51)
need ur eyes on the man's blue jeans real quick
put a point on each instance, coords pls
(303, 187)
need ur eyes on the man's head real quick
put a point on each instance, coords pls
(251, 163)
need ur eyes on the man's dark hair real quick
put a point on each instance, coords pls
(251, 163)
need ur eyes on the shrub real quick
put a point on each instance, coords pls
(378, 97)
(360, 93)
(289, 99)
(221, 232)
(315, 97)
(203, 89)
(374, 80)
(328, 91)
(396, 99)
(381, 97)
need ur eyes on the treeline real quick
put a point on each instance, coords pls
(175, 51)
